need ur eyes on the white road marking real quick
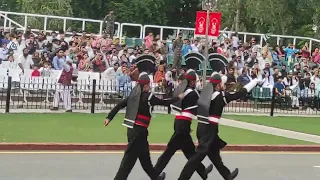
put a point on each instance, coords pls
(316, 166)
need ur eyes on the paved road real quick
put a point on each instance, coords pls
(104, 166)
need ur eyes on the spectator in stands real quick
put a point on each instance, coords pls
(268, 80)
(164, 49)
(244, 78)
(111, 72)
(35, 72)
(195, 46)
(58, 60)
(315, 78)
(290, 79)
(11, 63)
(3, 52)
(36, 58)
(98, 64)
(186, 47)
(46, 70)
(124, 81)
(160, 75)
(25, 60)
(276, 74)
(279, 87)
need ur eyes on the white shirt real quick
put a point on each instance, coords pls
(110, 74)
(3, 53)
(194, 48)
(131, 58)
(25, 62)
(10, 65)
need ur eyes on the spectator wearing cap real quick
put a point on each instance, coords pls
(58, 60)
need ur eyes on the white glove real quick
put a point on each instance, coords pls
(251, 84)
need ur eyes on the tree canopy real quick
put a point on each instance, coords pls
(289, 17)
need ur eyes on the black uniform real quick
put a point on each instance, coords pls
(137, 119)
(137, 134)
(209, 114)
(181, 139)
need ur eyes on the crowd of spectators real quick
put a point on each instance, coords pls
(292, 71)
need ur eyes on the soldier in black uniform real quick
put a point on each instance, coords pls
(137, 119)
(209, 113)
(187, 108)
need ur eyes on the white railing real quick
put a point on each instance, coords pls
(143, 28)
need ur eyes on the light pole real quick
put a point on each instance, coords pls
(207, 5)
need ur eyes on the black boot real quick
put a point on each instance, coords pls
(162, 176)
(208, 171)
(234, 174)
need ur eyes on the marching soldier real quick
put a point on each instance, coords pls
(137, 119)
(187, 108)
(209, 113)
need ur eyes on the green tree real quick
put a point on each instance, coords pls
(53, 7)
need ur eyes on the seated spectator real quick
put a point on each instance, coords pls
(160, 75)
(35, 72)
(11, 63)
(268, 80)
(97, 64)
(46, 70)
(36, 59)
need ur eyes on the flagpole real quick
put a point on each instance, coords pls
(206, 49)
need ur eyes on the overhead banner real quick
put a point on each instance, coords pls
(201, 22)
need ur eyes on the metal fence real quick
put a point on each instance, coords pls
(39, 92)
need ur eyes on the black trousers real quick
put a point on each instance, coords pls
(178, 141)
(209, 145)
(138, 148)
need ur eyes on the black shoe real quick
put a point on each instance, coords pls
(162, 176)
(234, 174)
(208, 171)
(54, 109)
(69, 111)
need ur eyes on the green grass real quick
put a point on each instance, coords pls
(310, 125)
(88, 128)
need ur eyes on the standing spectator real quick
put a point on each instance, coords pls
(110, 18)
(177, 47)
(64, 87)
(3, 52)
(235, 41)
(124, 81)
(195, 46)
(58, 60)
(25, 60)
(148, 40)
(186, 47)
(111, 72)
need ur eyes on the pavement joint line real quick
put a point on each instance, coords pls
(271, 130)
(156, 152)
